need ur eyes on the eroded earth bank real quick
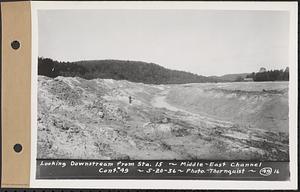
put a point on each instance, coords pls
(93, 119)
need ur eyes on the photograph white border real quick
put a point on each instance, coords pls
(292, 7)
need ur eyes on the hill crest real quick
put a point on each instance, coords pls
(135, 71)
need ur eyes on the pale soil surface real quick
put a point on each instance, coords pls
(93, 119)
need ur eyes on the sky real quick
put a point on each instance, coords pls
(204, 42)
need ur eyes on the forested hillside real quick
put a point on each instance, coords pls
(231, 77)
(135, 71)
(272, 75)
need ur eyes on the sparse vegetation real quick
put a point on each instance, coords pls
(93, 119)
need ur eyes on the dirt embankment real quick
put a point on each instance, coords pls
(262, 106)
(93, 119)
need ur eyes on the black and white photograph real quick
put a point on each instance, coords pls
(163, 84)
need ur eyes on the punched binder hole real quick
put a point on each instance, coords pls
(18, 148)
(15, 45)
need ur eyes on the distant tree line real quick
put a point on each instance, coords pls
(134, 71)
(272, 75)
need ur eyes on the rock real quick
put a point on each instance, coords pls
(65, 128)
(165, 120)
(100, 114)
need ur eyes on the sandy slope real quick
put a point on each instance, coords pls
(93, 119)
(159, 101)
(262, 105)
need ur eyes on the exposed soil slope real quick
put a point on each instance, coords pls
(261, 105)
(93, 119)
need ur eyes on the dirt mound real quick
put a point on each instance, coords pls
(264, 109)
(93, 119)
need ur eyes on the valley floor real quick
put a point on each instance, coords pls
(93, 119)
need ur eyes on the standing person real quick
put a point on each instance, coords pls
(130, 99)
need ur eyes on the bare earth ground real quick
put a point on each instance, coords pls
(93, 119)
